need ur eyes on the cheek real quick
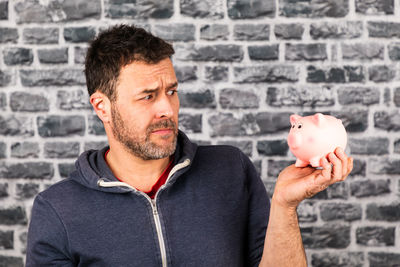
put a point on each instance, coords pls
(310, 140)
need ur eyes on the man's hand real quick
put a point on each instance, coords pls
(294, 184)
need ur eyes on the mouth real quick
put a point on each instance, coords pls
(163, 131)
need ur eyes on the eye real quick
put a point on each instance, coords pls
(293, 126)
(300, 125)
(172, 92)
(147, 97)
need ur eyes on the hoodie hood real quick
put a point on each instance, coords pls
(92, 169)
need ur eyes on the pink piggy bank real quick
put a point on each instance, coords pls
(313, 137)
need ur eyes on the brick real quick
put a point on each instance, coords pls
(9, 261)
(8, 35)
(307, 212)
(73, 100)
(264, 52)
(198, 99)
(3, 150)
(358, 95)
(79, 34)
(26, 170)
(383, 165)
(336, 30)
(381, 73)
(251, 32)
(354, 120)
(359, 168)
(57, 126)
(313, 9)
(225, 124)
(269, 123)
(334, 191)
(96, 145)
(4, 10)
(338, 259)
(17, 56)
(300, 96)
(214, 32)
(309, 52)
(272, 147)
(344, 74)
(327, 236)
(383, 259)
(14, 125)
(79, 55)
(249, 9)
(27, 191)
(276, 166)
(53, 56)
(3, 100)
(53, 77)
(40, 35)
(383, 212)
(387, 121)
(6, 238)
(23, 237)
(234, 99)
(265, 73)
(369, 146)
(340, 211)
(178, 32)
(383, 29)
(22, 101)
(13, 215)
(221, 53)
(291, 31)
(397, 146)
(245, 146)
(25, 149)
(145, 9)
(216, 73)
(65, 169)
(95, 125)
(190, 123)
(5, 78)
(61, 149)
(394, 51)
(375, 236)
(380, 7)
(186, 73)
(211, 9)
(3, 190)
(363, 51)
(55, 11)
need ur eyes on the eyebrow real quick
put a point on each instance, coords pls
(149, 91)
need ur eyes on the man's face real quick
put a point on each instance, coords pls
(145, 113)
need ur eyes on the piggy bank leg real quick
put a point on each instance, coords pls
(315, 162)
(300, 163)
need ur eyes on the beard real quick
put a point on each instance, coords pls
(142, 146)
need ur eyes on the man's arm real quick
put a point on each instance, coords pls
(283, 245)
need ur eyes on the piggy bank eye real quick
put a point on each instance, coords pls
(300, 125)
(293, 126)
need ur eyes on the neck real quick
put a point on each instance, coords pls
(139, 173)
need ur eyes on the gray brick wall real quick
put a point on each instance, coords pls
(244, 66)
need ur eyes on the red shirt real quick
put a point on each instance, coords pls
(160, 181)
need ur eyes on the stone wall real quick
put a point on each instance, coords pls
(244, 66)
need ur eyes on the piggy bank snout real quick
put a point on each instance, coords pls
(294, 140)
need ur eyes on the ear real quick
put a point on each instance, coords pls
(318, 119)
(294, 118)
(101, 105)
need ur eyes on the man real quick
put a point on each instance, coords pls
(153, 198)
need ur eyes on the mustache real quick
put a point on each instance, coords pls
(164, 124)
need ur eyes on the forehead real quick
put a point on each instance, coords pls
(141, 73)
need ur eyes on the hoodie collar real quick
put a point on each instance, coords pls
(91, 166)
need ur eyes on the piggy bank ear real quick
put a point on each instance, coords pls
(294, 118)
(318, 119)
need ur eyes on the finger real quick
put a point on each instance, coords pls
(342, 156)
(326, 168)
(350, 165)
(337, 166)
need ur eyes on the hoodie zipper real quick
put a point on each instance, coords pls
(153, 203)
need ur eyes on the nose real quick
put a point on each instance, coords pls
(164, 108)
(294, 140)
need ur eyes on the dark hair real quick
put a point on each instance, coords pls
(117, 47)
